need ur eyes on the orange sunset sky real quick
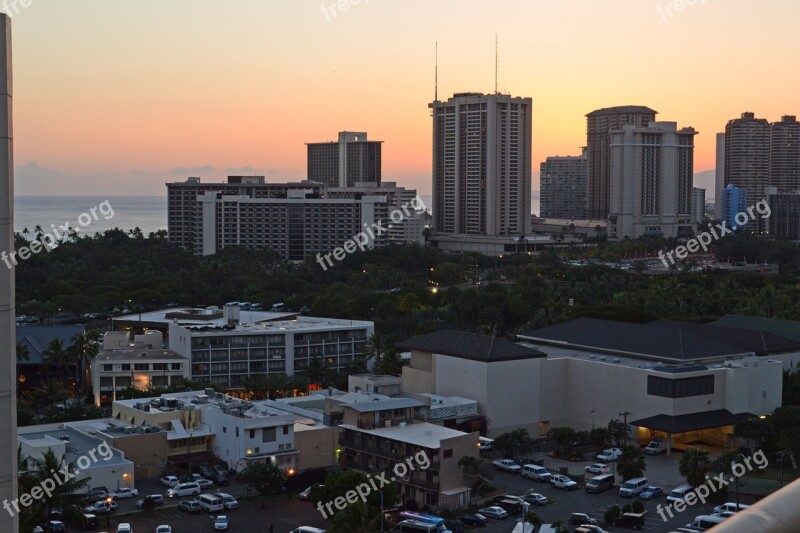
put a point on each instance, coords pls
(117, 97)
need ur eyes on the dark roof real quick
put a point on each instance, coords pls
(622, 109)
(782, 328)
(750, 340)
(470, 346)
(692, 421)
(658, 341)
(36, 338)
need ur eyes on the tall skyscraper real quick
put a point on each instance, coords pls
(733, 202)
(747, 154)
(482, 165)
(343, 163)
(8, 360)
(652, 171)
(562, 184)
(784, 154)
(599, 125)
(719, 176)
(698, 204)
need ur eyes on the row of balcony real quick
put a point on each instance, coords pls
(362, 464)
(396, 454)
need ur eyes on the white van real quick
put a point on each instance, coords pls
(308, 529)
(211, 503)
(679, 493)
(730, 507)
(633, 487)
(414, 526)
(485, 444)
(704, 522)
(535, 472)
(124, 528)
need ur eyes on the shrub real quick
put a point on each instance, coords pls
(637, 506)
(611, 514)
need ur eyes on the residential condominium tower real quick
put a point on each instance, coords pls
(562, 183)
(345, 162)
(482, 165)
(651, 187)
(784, 154)
(599, 125)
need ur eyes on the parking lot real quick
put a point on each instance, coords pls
(661, 471)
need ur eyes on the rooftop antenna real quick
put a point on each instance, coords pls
(436, 75)
(496, 54)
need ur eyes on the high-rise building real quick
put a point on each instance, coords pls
(784, 219)
(562, 184)
(8, 359)
(652, 172)
(747, 154)
(482, 165)
(599, 125)
(733, 201)
(719, 176)
(698, 204)
(343, 163)
(784, 154)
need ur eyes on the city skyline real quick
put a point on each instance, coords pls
(194, 89)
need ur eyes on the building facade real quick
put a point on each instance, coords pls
(227, 355)
(733, 201)
(652, 171)
(747, 153)
(784, 154)
(482, 165)
(599, 125)
(344, 163)
(719, 176)
(698, 204)
(562, 183)
(784, 220)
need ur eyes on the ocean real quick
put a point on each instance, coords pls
(149, 213)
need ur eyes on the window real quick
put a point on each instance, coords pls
(447, 454)
(680, 388)
(268, 435)
(224, 429)
(141, 366)
(177, 366)
(285, 430)
(252, 433)
(126, 367)
(107, 368)
(237, 432)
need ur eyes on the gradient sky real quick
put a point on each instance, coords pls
(115, 98)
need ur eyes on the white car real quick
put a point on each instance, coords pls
(535, 498)
(598, 468)
(164, 529)
(560, 481)
(611, 454)
(205, 484)
(184, 489)
(228, 500)
(221, 523)
(169, 481)
(121, 494)
(498, 513)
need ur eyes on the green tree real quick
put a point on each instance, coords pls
(754, 429)
(618, 431)
(410, 303)
(264, 477)
(611, 515)
(57, 355)
(64, 496)
(84, 349)
(694, 466)
(470, 464)
(515, 444)
(631, 463)
(23, 354)
(360, 517)
(565, 438)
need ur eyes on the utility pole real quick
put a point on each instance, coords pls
(627, 430)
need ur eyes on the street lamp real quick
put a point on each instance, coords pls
(592, 411)
(525, 506)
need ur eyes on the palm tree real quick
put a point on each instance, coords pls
(46, 395)
(63, 496)
(631, 463)
(84, 350)
(694, 466)
(377, 347)
(23, 354)
(410, 303)
(317, 371)
(469, 464)
(57, 355)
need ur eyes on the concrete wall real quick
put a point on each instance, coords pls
(148, 452)
(316, 447)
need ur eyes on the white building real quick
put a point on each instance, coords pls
(651, 181)
(236, 431)
(101, 464)
(226, 355)
(142, 364)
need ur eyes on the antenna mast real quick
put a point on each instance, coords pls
(496, 54)
(436, 75)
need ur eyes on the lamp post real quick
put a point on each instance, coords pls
(625, 417)
(592, 411)
(525, 508)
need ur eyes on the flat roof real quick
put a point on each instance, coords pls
(79, 443)
(473, 346)
(209, 316)
(370, 405)
(138, 353)
(301, 324)
(692, 421)
(420, 434)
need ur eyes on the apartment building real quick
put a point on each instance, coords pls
(343, 163)
(784, 220)
(142, 364)
(563, 186)
(227, 354)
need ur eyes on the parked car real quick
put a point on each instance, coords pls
(205, 471)
(101, 507)
(509, 497)
(228, 500)
(124, 493)
(205, 484)
(164, 529)
(561, 481)
(221, 523)
(498, 513)
(150, 501)
(651, 493)
(221, 470)
(589, 528)
(730, 506)
(124, 527)
(630, 520)
(598, 468)
(506, 465)
(169, 481)
(611, 454)
(220, 480)
(474, 519)
(534, 498)
(98, 492)
(56, 526)
(189, 506)
(579, 519)
(306, 494)
(655, 447)
(535, 472)
(184, 489)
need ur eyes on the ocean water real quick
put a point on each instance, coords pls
(149, 213)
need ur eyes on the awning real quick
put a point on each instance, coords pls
(692, 421)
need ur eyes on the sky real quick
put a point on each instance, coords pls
(116, 98)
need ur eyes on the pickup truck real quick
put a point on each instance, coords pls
(655, 447)
(506, 465)
(611, 454)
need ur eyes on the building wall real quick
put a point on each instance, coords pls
(316, 448)
(562, 182)
(784, 154)
(148, 452)
(451, 476)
